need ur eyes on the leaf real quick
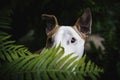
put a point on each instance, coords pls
(62, 61)
(21, 64)
(69, 63)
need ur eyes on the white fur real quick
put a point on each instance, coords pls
(64, 36)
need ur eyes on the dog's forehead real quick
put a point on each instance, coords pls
(69, 30)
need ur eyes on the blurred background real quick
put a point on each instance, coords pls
(22, 20)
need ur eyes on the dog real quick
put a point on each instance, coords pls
(71, 38)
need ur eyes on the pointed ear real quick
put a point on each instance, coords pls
(50, 21)
(84, 23)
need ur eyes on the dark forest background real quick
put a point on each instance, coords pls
(22, 19)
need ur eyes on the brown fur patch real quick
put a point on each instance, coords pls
(53, 31)
(82, 35)
(50, 35)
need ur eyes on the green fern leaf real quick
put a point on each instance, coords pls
(9, 51)
(20, 64)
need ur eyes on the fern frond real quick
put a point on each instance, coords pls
(5, 18)
(25, 67)
(20, 64)
(9, 51)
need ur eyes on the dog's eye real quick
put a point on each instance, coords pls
(50, 40)
(73, 40)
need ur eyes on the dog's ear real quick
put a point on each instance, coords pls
(84, 23)
(50, 21)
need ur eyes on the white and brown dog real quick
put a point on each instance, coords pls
(72, 38)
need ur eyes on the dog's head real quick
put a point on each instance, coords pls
(72, 38)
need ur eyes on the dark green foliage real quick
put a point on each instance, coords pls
(9, 51)
(17, 63)
(26, 27)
